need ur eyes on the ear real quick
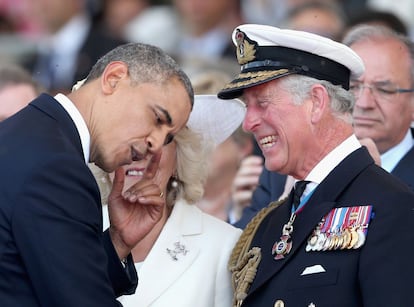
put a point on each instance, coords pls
(320, 101)
(113, 73)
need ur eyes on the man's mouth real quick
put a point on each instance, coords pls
(268, 141)
(136, 156)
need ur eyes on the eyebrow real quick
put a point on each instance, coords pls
(386, 81)
(166, 114)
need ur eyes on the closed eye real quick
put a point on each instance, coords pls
(168, 139)
(158, 119)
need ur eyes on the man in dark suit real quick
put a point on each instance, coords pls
(384, 96)
(52, 250)
(329, 242)
(381, 113)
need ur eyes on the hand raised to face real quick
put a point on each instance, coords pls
(134, 213)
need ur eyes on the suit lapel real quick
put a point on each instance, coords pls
(320, 203)
(405, 169)
(160, 268)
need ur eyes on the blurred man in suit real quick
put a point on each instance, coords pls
(384, 96)
(70, 45)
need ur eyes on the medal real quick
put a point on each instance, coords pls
(334, 240)
(321, 241)
(339, 241)
(342, 228)
(284, 245)
(361, 239)
(314, 238)
(354, 238)
(346, 239)
(327, 243)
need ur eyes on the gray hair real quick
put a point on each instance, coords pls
(342, 101)
(372, 33)
(146, 64)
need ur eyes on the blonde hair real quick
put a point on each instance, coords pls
(103, 181)
(192, 164)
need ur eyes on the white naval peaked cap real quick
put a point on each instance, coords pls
(266, 53)
(215, 119)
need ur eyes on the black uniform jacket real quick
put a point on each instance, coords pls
(379, 273)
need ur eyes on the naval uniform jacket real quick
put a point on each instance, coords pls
(52, 249)
(187, 265)
(380, 273)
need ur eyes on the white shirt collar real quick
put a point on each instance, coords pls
(330, 161)
(63, 47)
(390, 158)
(70, 38)
(211, 44)
(79, 123)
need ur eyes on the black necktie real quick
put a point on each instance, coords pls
(298, 191)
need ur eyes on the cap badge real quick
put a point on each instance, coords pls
(245, 50)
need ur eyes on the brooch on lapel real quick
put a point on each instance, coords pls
(342, 228)
(178, 249)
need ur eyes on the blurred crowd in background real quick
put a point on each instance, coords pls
(59, 40)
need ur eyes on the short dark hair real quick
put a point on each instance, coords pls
(146, 63)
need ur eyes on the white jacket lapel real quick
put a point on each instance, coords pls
(171, 254)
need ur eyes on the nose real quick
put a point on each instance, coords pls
(251, 120)
(365, 98)
(156, 140)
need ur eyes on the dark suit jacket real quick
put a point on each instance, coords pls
(380, 273)
(52, 250)
(271, 186)
(405, 167)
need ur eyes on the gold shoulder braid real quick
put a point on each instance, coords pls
(243, 261)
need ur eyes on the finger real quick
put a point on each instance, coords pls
(242, 197)
(152, 166)
(245, 183)
(151, 200)
(250, 170)
(252, 161)
(118, 182)
(135, 192)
